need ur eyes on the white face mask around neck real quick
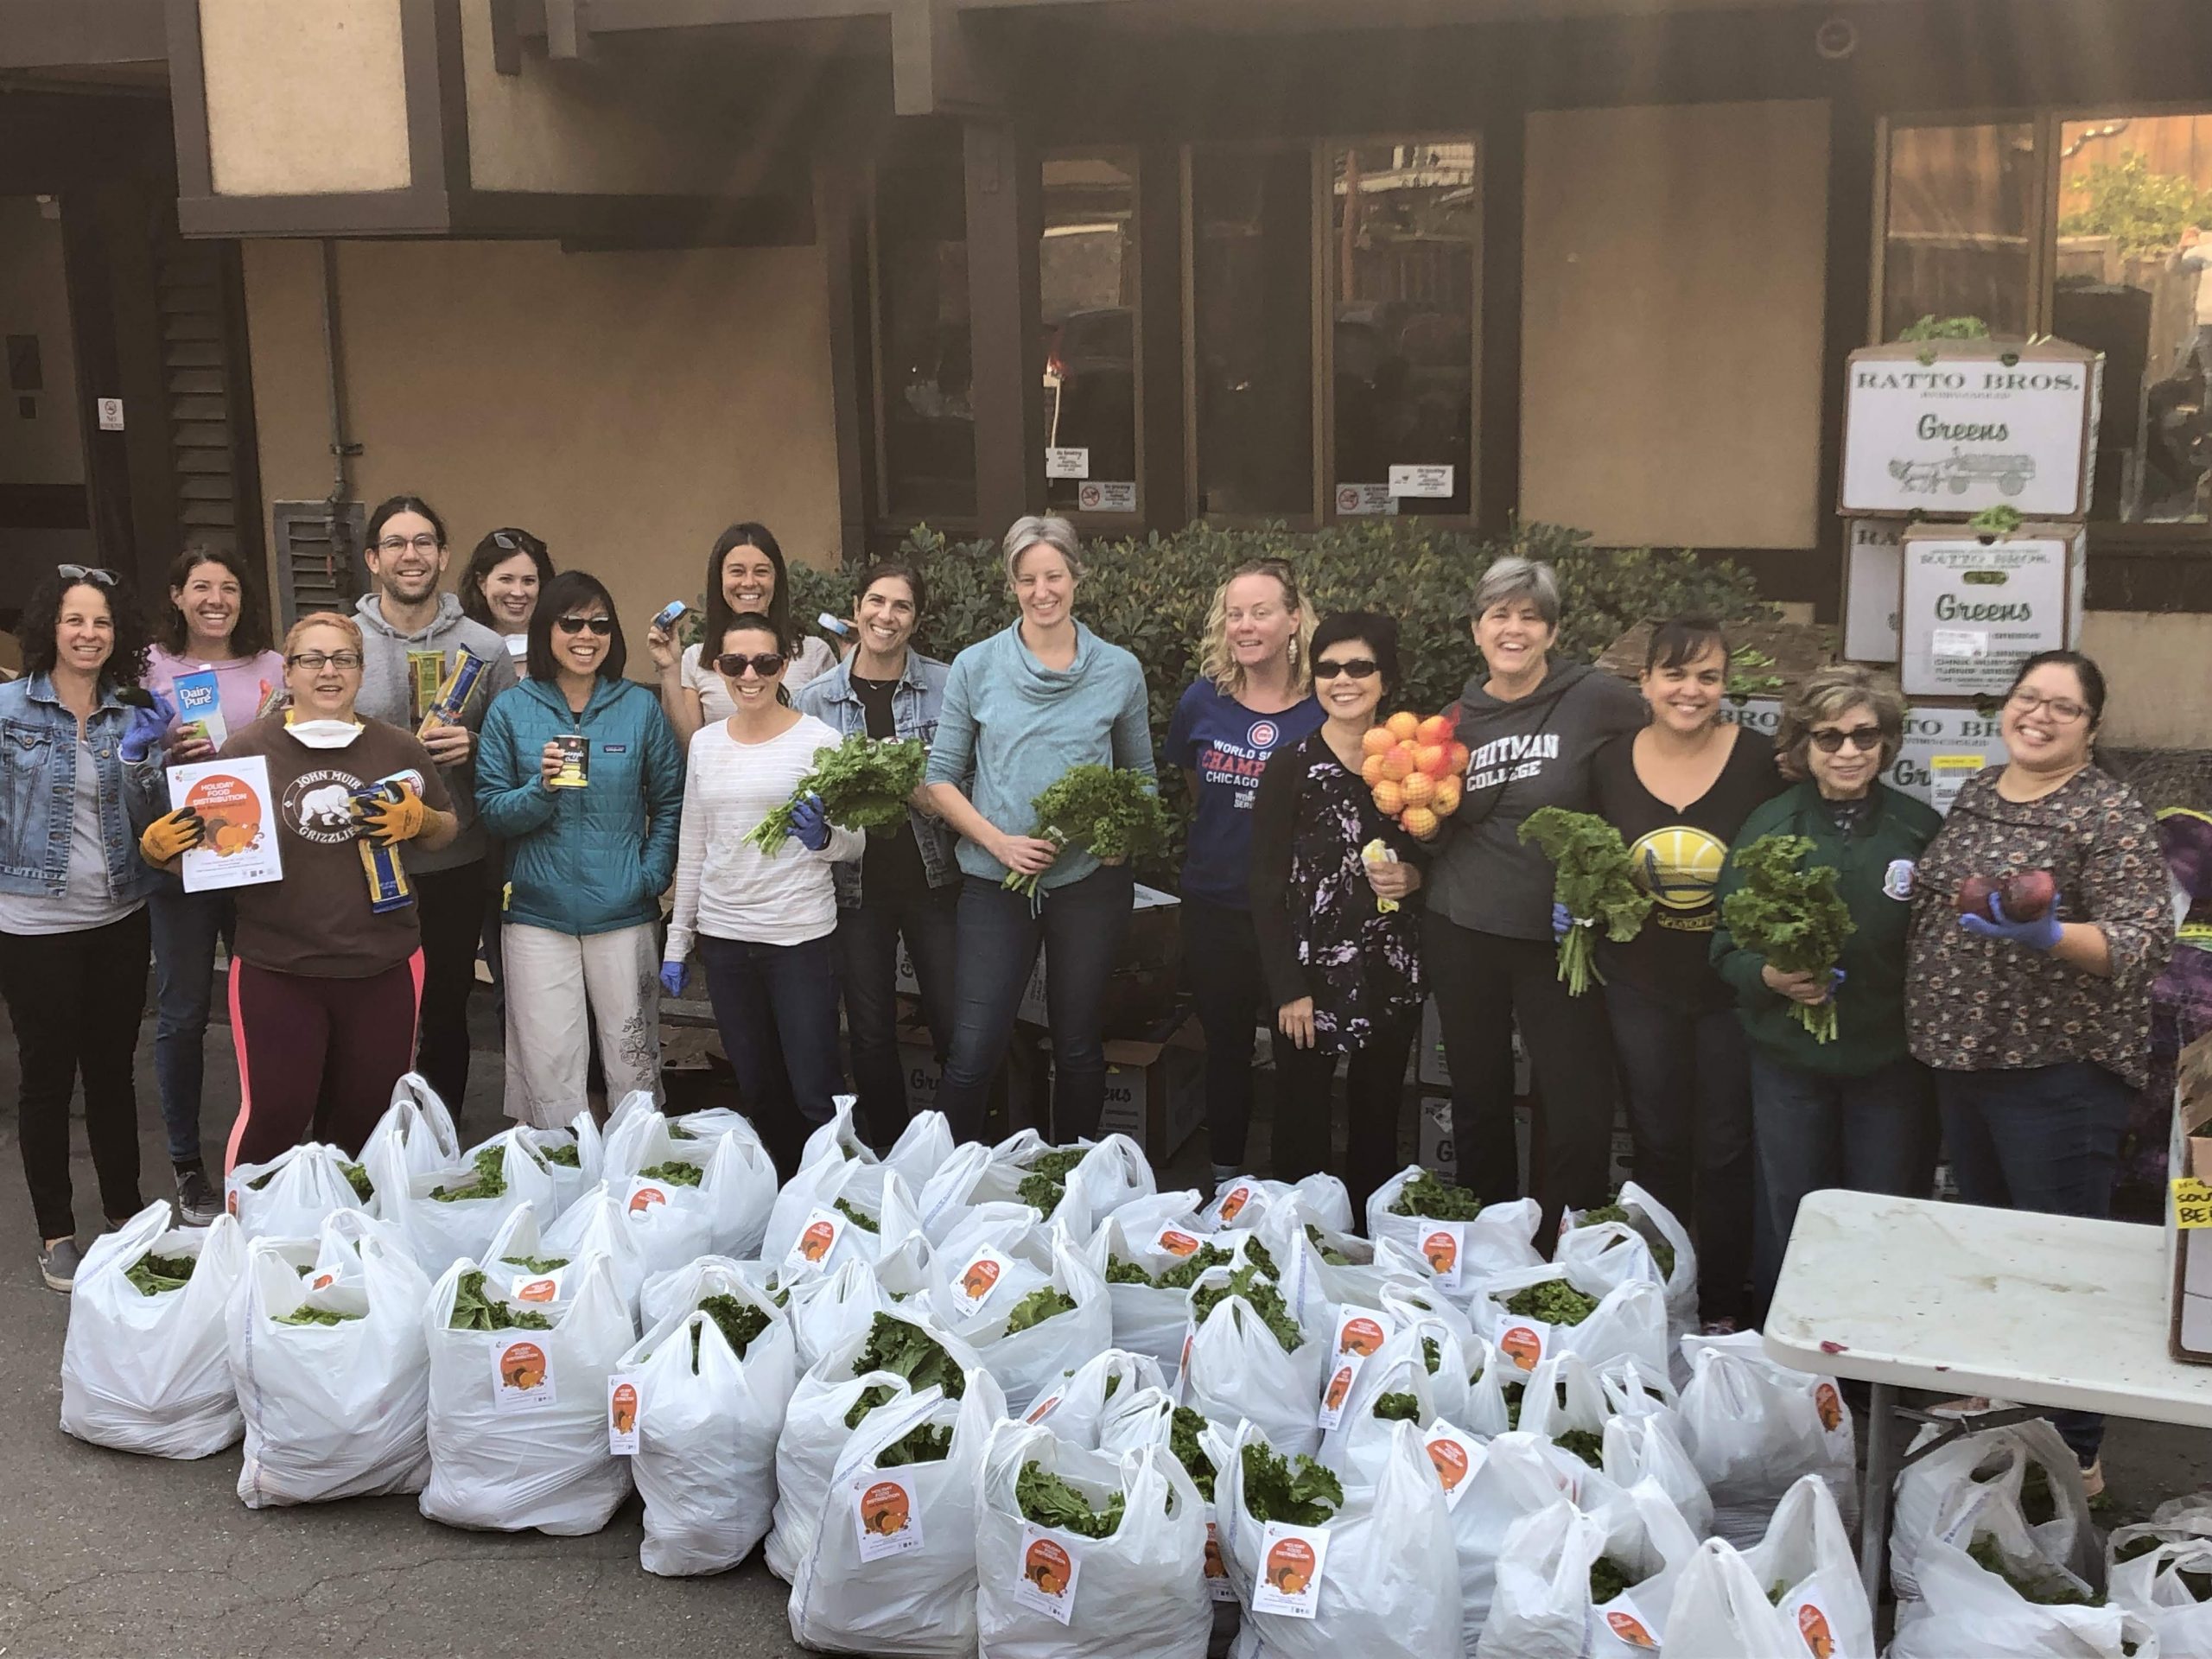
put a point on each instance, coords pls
(324, 734)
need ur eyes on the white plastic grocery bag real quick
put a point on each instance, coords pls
(921, 1149)
(856, 1212)
(705, 1420)
(2028, 1462)
(1031, 1360)
(674, 1218)
(441, 1231)
(1595, 1248)
(2149, 1585)
(1500, 1236)
(1044, 1591)
(827, 1406)
(828, 1309)
(332, 1410)
(1235, 1368)
(1547, 1604)
(1377, 1580)
(1112, 1173)
(972, 1175)
(1809, 1557)
(1148, 1418)
(596, 1225)
(1246, 1201)
(890, 1564)
(518, 1424)
(671, 1295)
(1629, 1320)
(1754, 1426)
(697, 1133)
(1075, 1408)
(1504, 1479)
(416, 1129)
(288, 1195)
(1360, 1380)
(1721, 1612)
(839, 1138)
(1966, 1607)
(1155, 1236)
(147, 1372)
(1648, 1450)
(573, 1158)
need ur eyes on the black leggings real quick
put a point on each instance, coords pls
(1375, 1089)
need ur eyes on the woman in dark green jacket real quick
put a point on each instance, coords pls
(1858, 1112)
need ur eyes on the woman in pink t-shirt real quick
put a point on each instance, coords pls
(213, 621)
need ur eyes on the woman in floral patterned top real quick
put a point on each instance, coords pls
(2037, 1031)
(1340, 955)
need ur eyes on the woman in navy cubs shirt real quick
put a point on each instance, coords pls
(1253, 697)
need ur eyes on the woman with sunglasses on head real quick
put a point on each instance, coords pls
(1858, 1112)
(746, 576)
(1021, 709)
(499, 586)
(762, 921)
(327, 970)
(80, 776)
(1678, 791)
(2037, 1018)
(1343, 970)
(591, 844)
(211, 624)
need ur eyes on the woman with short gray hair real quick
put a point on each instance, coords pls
(1020, 709)
(1533, 728)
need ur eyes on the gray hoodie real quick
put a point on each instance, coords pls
(385, 696)
(1531, 753)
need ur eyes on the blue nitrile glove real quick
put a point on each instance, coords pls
(809, 827)
(2038, 935)
(1836, 977)
(144, 728)
(1562, 922)
(671, 978)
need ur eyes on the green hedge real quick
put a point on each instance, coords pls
(1151, 595)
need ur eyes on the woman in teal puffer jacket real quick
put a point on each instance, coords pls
(587, 860)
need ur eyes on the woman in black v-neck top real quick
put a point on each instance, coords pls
(1680, 1047)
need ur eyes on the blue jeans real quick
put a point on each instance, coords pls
(2044, 1138)
(185, 926)
(1081, 927)
(867, 967)
(775, 1006)
(1874, 1134)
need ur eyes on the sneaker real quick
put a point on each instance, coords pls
(58, 1263)
(197, 1200)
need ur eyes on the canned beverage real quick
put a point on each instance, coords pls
(576, 762)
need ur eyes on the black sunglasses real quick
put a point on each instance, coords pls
(1353, 668)
(766, 663)
(1864, 738)
(511, 541)
(93, 573)
(601, 625)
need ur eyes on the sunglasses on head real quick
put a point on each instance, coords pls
(509, 541)
(93, 573)
(1353, 668)
(1865, 739)
(601, 625)
(766, 663)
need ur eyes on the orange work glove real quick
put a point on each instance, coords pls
(388, 820)
(167, 838)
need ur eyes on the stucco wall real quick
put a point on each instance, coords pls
(304, 99)
(2158, 684)
(626, 407)
(1674, 277)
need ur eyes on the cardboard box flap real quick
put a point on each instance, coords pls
(2193, 1087)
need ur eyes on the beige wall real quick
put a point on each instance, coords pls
(2159, 691)
(626, 407)
(35, 300)
(305, 97)
(1675, 267)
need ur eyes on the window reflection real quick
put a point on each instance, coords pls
(921, 263)
(1961, 207)
(1404, 222)
(2132, 278)
(1087, 270)
(1252, 329)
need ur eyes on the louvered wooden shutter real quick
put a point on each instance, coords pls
(204, 372)
(316, 568)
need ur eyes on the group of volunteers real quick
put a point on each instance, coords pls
(430, 798)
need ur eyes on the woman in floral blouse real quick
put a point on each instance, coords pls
(1339, 953)
(2038, 1030)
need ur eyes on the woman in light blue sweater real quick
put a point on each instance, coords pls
(1020, 709)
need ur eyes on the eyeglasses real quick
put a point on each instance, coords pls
(315, 661)
(601, 625)
(91, 573)
(768, 664)
(1350, 668)
(2062, 709)
(425, 543)
(1864, 738)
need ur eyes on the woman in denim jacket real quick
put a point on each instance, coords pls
(907, 885)
(79, 776)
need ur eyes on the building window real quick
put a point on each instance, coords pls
(1961, 229)
(927, 424)
(1405, 225)
(1087, 272)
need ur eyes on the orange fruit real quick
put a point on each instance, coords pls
(1419, 822)
(1397, 763)
(1390, 798)
(1445, 801)
(1435, 729)
(1378, 738)
(1403, 725)
(1432, 759)
(1370, 770)
(1419, 788)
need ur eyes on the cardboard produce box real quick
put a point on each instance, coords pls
(1942, 747)
(1435, 1149)
(2189, 1208)
(1873, 569)
(1970, 429)
(1972, 610)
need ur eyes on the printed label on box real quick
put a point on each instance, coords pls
(2192, 1201)
(1049, 1571)
(522, 1376)
(887, 1516)
(625, 1405)
(1292, 1559)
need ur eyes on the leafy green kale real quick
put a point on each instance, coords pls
(1432, 1354)
(904, 1350)
(1049, 1501)
(1662, 1253)
(357, 1177)
(741, 1323)
(1260, 1295)
(1334, 1258)
(1041, 1304)
(921, 1445)
(1434, 1199)
(876, 1394)
(566, 1155)
(1398, 1408)
(473, 1310)
(1117, 815)
(153, 1274)
(1512, 1392)
(1586, 1444)
(1596, 881)
(1553, 1300)
(865, 783)
(1185, 1273)
(2051, 1589)
(1301, 1495)
(1183, 1431)
(537, 1263)
(1787, 912)
(674, 1173)
(860, 1218)
(1999, 520)
(313, 1316)
(1608, 1579)
(490, 1180)
(1260, 1257)
(1046, 1182)
(1931, 327)
(1119, 1272)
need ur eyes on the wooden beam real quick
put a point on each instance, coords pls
(1159, 331)
(1852, 163)
(568, 31)
(936, 63)
(1498, 429)
(1005, 200)
(838, 205)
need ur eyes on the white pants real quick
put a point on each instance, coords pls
(553, 983)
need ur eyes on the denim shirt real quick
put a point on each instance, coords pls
(915, 702)
(38, 787)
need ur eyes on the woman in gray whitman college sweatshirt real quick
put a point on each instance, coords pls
(1532, 728)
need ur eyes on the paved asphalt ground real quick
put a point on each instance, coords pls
(108, 1556)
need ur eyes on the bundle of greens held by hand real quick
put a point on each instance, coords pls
(1050, 1501)
(1596, 881)
(1115, 814)
(865, 782)
(1789, 912)
(904, 1350)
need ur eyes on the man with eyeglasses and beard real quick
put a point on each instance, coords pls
(413, 641)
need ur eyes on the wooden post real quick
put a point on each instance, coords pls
(1005, 200)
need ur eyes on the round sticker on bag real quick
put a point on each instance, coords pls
(1442, 1250)
(645, 1198)
(1451, 1460)
(1897, 881)
(1813, 1625)
(1825, 1402)
(1360, 1336)
(1232, 1204)
(1629, 1628)
(817, 1241)
(537, 1290)
(1522, 1347)
(1178, 1244)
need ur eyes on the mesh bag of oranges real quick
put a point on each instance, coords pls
(1414, 766)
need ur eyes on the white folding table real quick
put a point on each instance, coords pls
(2048, 1311)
